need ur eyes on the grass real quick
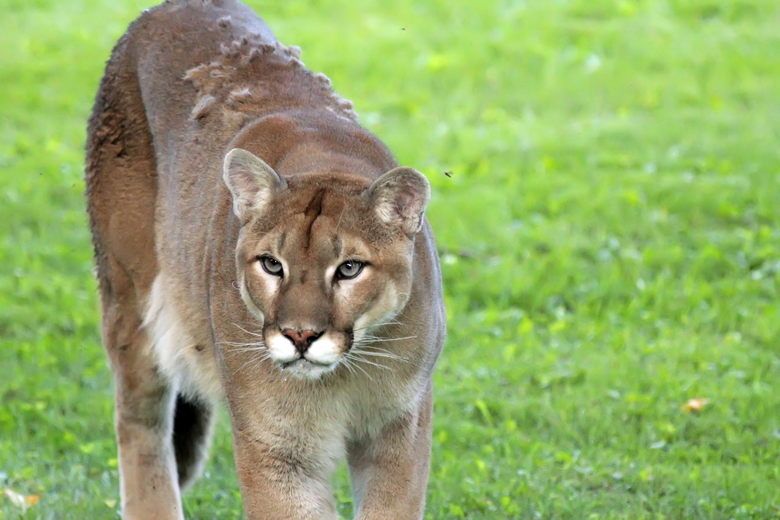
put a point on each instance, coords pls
(609, 235)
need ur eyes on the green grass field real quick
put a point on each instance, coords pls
(609, 235)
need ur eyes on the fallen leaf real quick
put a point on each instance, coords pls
(21, 501)
(695, 405)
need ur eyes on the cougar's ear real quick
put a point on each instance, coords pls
(251, 182)
(399, 198)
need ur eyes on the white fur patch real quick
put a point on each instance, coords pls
(188, 369)
(247, 299)
(304, 369)
(321, 357)
(281, 349)
(324, 350)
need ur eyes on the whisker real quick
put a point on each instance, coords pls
(244, 350)
(362, 360)
(348, 365)
(253, 360)
(260, 335)
(360, 368)
(382, 355)
(380, 352)
(234, 344)
(242, 367)
(374, 348)
(382, 340)
(374, 325)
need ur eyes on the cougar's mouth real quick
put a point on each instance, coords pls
(305, 360)
(303, 368)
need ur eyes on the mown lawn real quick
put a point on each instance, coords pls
(608, 229)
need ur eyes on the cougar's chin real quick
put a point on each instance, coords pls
(302, 368)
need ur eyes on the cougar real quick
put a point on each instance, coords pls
(255, 246)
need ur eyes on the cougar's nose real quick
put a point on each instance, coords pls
(302, 339)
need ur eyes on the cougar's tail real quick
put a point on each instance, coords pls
(192, 422)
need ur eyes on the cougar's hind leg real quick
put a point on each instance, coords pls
(192, 425)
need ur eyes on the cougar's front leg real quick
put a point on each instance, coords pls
(284, 483)
(144, 401)
(390, 472)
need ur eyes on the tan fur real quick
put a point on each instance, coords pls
(212, 146)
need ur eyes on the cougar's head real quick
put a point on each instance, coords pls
(322, 259)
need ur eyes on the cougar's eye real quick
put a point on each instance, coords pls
(271, 265)
(349, 269)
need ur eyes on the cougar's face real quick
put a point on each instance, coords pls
(318, 284)
(320, 266)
